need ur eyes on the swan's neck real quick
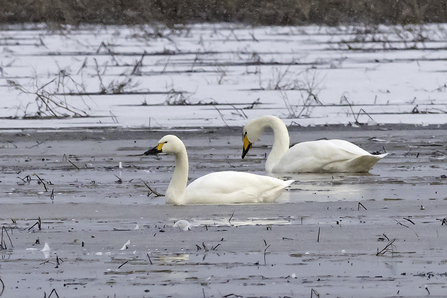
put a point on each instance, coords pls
(176, 189)
(280, 143)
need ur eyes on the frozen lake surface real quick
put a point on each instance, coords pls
(219, 75)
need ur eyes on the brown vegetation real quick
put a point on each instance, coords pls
(254, 12)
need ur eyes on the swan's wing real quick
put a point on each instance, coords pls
(348, 146)
(326, 156)
(234, 187)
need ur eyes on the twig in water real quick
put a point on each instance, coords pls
(38, 223)
(52, 195)
(58, 261)
(265, 251)
(123, 264)
(119, 181)
(401, 224)
(149, 257)
(41, 181)
(360, 204)
(214, 247)
(157, 194)
(312, 292)
(407, 219)
(3, 287)
(51, 293)
(77, 168)
(26, 179)
(229, 221)
(389, 247)
(35, 145)
(318, 236)
(3, 242)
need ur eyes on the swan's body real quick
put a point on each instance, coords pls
(215, 188)
(327, 156)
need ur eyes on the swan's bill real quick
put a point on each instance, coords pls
(247, 146)
(154, 151)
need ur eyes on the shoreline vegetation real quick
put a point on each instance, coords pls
(250, 12)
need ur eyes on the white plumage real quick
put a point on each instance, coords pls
(226, 187)
(327, 156)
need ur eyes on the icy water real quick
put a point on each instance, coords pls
(336, 235)
(73, 176)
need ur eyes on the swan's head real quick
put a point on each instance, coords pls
(250, 134)
(168, 144)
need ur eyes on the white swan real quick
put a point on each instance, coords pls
(328, 156)
(215, 188)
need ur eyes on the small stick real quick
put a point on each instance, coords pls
(318, 237)
(38, 223)
(2, 241)
(52, 195)
(41, 181)
(265, 251)
(401, 224)
(123, 264)
(409, 220)
(229, 221)
(149, 257)
(53, 291)
(3, 287)
(119, 181)
(157, 194)
(77, 168)
(360, 204)
(385, 249)
(312, 292)
(214, 248)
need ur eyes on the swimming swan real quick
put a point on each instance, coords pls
(328, 156)
(215, 188)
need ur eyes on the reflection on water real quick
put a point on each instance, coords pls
(250, 221)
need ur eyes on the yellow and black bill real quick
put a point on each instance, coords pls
(155, 150)
(247, 146)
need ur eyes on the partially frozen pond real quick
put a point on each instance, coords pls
(336, 235)
(80, 106)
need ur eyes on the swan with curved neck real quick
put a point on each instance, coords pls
(330, 156)
(216, 188)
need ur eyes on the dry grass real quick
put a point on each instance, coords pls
(254, 12)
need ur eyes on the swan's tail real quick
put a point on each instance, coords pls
(363, 164)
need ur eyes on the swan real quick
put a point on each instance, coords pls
(216, 188)
(323, 156)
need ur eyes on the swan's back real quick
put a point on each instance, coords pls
(234, 187)
(326, 156)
